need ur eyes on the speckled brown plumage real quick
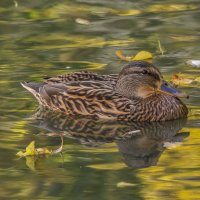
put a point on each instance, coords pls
(83, 76)
(131, 96)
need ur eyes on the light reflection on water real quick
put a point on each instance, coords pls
(41, 38)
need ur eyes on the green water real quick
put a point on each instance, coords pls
(44, 38)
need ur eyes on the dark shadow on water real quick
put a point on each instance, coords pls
(140, 143)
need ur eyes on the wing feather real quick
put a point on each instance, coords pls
(84, 98)
(82, 76)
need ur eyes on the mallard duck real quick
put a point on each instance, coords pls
(133, 95)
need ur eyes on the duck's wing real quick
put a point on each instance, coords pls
(83, 76)
(87, 98)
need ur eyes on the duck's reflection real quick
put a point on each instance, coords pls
(141, 143)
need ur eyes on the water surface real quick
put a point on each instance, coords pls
(44, 38)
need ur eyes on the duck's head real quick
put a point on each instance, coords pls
(140, 79)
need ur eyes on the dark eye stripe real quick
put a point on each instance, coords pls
(156, 76)
(143, 72)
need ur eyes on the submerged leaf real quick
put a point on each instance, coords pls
(108, 166)
(184, 38)
(125, 184)
(170, 7)
(31, 162)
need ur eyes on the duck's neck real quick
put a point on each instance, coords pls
(133, 90)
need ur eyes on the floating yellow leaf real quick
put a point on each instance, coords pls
(143, 55)
(20, 154)
(32, 154)
(43, 151)
(178, 80)
(32, 151)
(125, 184)
(120, 55)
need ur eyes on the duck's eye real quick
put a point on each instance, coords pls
(144, 72)
(165, 84)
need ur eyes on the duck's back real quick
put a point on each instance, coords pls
(89, 98)
(83, 76)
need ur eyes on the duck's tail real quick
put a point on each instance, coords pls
(33, 88)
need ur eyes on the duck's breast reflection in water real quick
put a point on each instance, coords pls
(141, 143)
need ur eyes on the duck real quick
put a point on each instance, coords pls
(137, 93)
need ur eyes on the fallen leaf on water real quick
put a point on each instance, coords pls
(32, 154)
(194, 63)
(125, 184)
(142, 55)
(32, 151)
(20, 154)
(43, 151)
(82, 21)
(120, 55)
(178, 80)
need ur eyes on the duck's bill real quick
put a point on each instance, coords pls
(169, 89)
